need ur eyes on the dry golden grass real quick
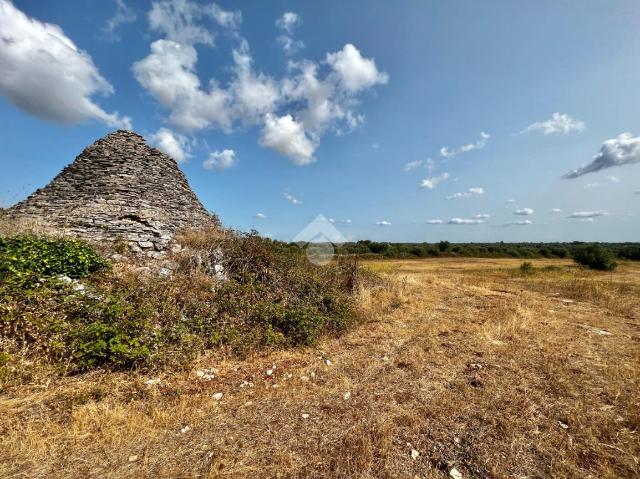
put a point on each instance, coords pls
(467, 362)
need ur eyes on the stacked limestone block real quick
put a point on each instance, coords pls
(119, 187)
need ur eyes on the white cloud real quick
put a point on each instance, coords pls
(346, 221)
(523, 212)
(587, 220)
(180, 20)
(289, 45)
(482, 216)
(447, 152)
(623, 150)
(168, 73)
(412, 165)
(293, 112)
(288, 21)
(173, 144)
(434, 222)
(520, 223)
(476, 191)
(432, 182)
(613, 179)
(46, 75)
(556, 210)
(292, 199)
(464, 221)
(124, 14)
(254, 94)
(383, 223)
(588, 214)
(220, 160)
(287, 137)
(354, 71)
(558, 123)
(261, 216)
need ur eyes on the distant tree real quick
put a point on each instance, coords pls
(444, 246)
(594, 256)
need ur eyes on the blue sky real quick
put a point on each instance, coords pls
(404, 121)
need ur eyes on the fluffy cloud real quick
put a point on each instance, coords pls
(523, 212)
(354, 71)
(287, 137)
(558, 123)
(434, 222)
(464, 221)
(293, 112)
(613, 179)
(180, 20)
(623, 150)
(588, 214)
(124, 14)
(287, 22)
(173, 144)
(482, 216)
(520, 223)
(220, 160)
(289, 45)
(292, 199)
(254, 94)
(432, 182)
(383, 223)
(447, 152)
(556, 210)
(46, 75)
(475, 191)
(168, 73)
(261, 216)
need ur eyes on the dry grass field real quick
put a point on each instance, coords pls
(465, 366)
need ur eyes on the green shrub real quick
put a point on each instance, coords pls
(272, 296)
(27, 258)
(97, 344)
(594, 256)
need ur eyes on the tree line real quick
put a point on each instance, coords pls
(622, 251)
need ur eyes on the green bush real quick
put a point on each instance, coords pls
(97, 344)
(26, 258)
(594, 256)
(272, 296)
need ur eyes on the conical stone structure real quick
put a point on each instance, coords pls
(119, 187)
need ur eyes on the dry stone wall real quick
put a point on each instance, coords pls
(119, 187)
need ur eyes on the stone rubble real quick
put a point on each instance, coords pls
(119, 188)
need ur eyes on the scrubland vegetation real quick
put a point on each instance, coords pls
(372, 249)
(65, 307)
(236, 357)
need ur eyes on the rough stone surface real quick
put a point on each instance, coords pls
(119, 187)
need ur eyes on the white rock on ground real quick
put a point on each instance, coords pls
(347, 396)
(218, 396)
(414, 454)
(455, 474)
